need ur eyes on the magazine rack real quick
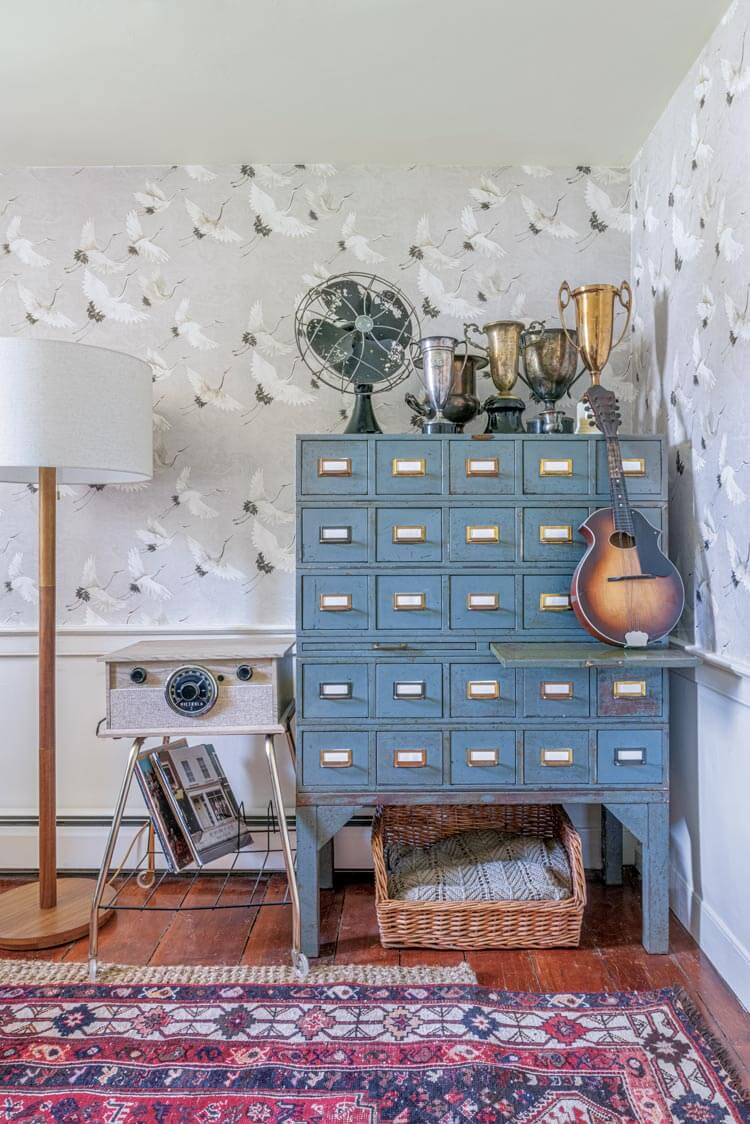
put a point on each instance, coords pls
(114, 888)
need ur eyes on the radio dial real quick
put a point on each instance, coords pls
(244, 672)
(191, 690)
(138, 675)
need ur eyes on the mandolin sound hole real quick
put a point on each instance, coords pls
(622, 540)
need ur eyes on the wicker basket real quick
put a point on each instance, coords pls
(473, 924)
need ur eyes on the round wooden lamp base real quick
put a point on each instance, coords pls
(25, 925)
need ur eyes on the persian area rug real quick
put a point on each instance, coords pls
(395, 1048)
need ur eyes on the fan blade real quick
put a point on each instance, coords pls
(376, 362)
(388, 310)
(344, 297)
(332, 343)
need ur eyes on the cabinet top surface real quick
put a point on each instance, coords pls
(478, 439)
(588, 654)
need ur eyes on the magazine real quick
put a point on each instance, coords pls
(176, 851)
(202, 800)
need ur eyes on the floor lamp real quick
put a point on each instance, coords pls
(76, 415)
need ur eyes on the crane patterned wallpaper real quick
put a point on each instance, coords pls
(691, 343)
(198, 271)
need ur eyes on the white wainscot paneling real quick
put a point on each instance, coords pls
(89, 768)
(710, 833)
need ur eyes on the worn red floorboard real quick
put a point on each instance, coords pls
(359, 941)
(219, 937)
(269, 940)
(511, 969)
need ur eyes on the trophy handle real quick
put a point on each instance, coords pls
(628, 306)
(565, 288)
(418, 407)
(480, 346)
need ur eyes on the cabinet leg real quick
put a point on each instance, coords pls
(611, 849)
(325, 865)
(655, 879)
(308, 878)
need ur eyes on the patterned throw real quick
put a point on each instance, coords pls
(483, 866)
(135, 1053)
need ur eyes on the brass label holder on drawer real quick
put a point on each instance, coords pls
(557, 690)
(415, 690)
(554, 603)
(409, 758)
(482, 466)
(335, 758)
(634, 466)
(627, 755)
(406, 466)
(629, 688)
(555, 758)
(335, 691)
(335, 602)
(483, 534)
(482, 602)
(334, 466)
(482, 758)
(409, 602)
(335, 535)
(410, 534)
(551, 533)
(478, 689)
(562, 466)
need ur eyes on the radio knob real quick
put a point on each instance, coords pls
(138, 675)
(244, 672)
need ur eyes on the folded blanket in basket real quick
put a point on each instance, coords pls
(484, 866)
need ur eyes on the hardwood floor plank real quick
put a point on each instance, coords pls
(270, 939)
(198, 937)
(571, 969)
(129, 937)
(331, 906)
(430, 957)
(359, 938)
(510, 969)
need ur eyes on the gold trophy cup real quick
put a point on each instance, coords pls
(503, 349)
(595, 315)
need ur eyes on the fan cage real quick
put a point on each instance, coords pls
(374, 289)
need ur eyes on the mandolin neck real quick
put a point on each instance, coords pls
(621, 510)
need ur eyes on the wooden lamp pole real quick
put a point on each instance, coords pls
(47, 792)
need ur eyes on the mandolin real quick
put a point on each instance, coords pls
(625, 591)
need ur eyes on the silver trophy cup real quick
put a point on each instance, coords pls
(436, 357)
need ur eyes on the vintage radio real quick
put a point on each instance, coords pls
(179, 686)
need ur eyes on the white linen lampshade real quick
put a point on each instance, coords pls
(85, 411)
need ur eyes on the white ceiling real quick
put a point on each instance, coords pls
(390, 81)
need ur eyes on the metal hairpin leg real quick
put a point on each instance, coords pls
(299, 960)
(101, 881)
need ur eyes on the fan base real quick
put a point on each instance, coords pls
(363, 418)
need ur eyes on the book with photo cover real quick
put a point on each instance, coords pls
(174, 845)
(202, 799)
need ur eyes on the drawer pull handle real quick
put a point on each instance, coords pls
(634, 466)
(335, 758)
(335, 466)
(554, 603)
(406, 602)
(555, 533)
(335, 534)
(409, 691)
(483, 534)
(409, 534)
(335, 602)
(482, 466)
(335, 690)
(629, 688)
(483, 689)
(557, 757)
(484, 757)
(556, 690)
(562, 467)
(401, 466)
(409, 758)
(630, 756)
(482, 602)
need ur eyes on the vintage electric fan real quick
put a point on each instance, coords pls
(354, 333)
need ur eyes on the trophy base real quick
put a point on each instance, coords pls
(504, 414)
(429, 427)
(550, 421)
